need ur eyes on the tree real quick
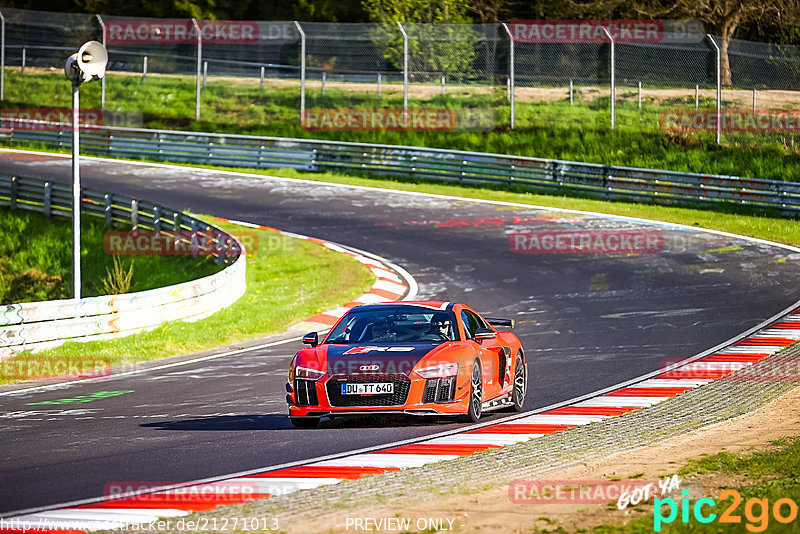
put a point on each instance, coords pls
(722, 17)
(491, 11)
(421, 11)
(445, 48)
(725, 17)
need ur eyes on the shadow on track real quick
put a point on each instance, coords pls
(281, 422)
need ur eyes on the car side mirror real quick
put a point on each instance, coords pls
(311, 339)
(484, 333)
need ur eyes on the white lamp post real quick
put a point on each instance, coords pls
(88, 64)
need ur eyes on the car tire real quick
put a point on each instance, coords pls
(304, 422)
(475, 393)
(520, 384)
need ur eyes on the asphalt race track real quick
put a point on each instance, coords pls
(587, 321)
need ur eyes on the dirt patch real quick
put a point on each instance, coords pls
(492, 510)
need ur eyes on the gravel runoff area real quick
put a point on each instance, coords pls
(737, 394)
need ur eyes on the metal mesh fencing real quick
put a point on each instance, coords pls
(44, 39)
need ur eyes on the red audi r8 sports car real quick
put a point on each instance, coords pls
(421, 358)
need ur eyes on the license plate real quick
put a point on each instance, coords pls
(369, 388)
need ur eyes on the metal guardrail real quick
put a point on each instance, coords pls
(39, 325)
(589, 179)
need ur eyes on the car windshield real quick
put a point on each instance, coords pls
(393, 325)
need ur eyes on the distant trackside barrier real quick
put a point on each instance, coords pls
(40, 325)
(589, 179)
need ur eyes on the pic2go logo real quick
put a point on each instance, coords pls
(756, 511)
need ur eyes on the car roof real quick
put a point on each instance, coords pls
(431, 304)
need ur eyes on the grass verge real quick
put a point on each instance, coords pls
(549, 129)
(287, 280)
(36, 260)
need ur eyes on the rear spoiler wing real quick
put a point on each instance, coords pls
(508, 323)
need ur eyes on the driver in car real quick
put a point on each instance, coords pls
(441, 327)
(380, 332)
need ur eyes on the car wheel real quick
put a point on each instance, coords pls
(520, 384)
(304, 422)
(475, 393)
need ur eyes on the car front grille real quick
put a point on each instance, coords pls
(401, 386)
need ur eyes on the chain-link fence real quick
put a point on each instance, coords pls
(290, 78)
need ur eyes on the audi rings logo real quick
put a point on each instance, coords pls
(368, 368)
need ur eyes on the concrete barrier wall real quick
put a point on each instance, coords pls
(39, 325)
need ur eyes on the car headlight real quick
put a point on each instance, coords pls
(438, 371)
(305, 373)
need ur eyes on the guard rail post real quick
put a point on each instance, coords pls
(107, 210)
(48, 195)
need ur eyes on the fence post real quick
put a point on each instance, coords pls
(697, 96)
(302, 72)
(379, 86)
(511, 73)
(571, 92)
(719, 87)
(199, 60)
(613, 81)
(144, 69)
(754, 100)
(24, 51)
(442, 83)
(324, 76)
(103, 79)
(205, 73)
(405, 66)
(640, 94)
(261, 85)
(2, 56)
